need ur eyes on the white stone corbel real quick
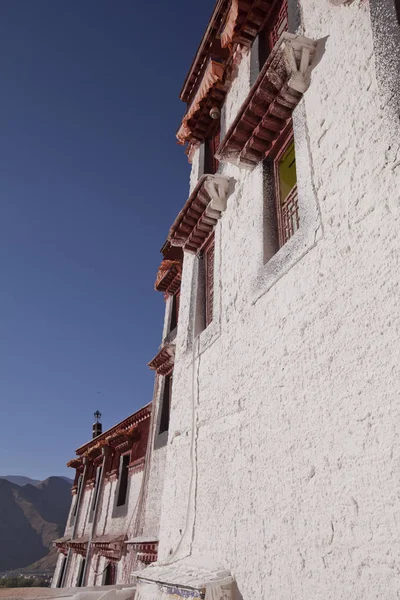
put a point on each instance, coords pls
(299, 52)
(217, 187)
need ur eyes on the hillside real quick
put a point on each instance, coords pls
(20, 479)
(31, 516)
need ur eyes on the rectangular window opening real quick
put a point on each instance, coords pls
(277, 23)
(62, 571)
(110, 574)
(96, 488)
(209, 255)
(211, 164)
(78, 491)
(79, 582)
(286, 202)
(123, 480)
(165, 406)
(174, 312)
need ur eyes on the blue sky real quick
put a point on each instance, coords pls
(91, 179)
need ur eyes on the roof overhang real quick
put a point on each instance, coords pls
(200, 214)
(269, 106)
(124, 427)
(169, 277)
(163, 362)
(197, 121)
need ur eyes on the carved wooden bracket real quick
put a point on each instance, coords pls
(270, 104)
(201, 212)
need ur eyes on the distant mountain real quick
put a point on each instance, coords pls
(31, 516)
(21, 480)
(70, 481)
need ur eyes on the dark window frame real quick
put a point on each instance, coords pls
(79, 581)
(110, 574)
(211, 144)
(123, 479)
(165, 405)
(62, 571)
(99, 470)
(209, 272)
(287, 212)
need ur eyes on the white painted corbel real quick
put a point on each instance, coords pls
(299, 52)
(217, 187)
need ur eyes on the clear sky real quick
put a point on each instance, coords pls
(91, 179)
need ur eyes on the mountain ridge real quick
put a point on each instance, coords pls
(31, 517)
(21, 480)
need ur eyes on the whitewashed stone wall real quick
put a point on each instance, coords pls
(290, 476)
(108, 522)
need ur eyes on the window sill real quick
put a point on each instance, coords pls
(310, 231)
(170, 337)
(208, 336)
(285, 259)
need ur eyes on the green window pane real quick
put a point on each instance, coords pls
(287, 173)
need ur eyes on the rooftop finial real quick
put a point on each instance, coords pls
(97, 426)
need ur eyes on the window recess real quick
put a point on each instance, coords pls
(123, 480)
(268, 108)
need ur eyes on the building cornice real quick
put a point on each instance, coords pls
(169, 277)
(197, 121)
(271, 101)
(163, 362)
(270, 104)
(122, 428)
(200, 214)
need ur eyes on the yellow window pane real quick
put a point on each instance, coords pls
(287, 173)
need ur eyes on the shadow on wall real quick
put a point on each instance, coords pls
(319, 50)
(236, 594)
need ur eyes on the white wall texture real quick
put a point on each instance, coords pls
(106, 523)
(294, 459)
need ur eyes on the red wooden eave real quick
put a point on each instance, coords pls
(163, 362)
(244, 18)
(197, 122)
(169, 277)
(201, 212)
(120, 429)
(270, 104)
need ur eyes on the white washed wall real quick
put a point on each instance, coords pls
(296, 389)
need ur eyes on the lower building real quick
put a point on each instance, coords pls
(102, 545)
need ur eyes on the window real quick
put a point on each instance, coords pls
(286, 191)
(123, 480)
(174, 312)
(211, 164)
(96, 488)
(209, 279)
(278, 23)
(165, 404)
(205, 287)
(62, 571)
(110, 574)
(267, 38)
(78, 491)
(81, 573)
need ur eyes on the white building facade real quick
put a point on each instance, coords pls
(282, 459)
(273, 438)
(105, 538)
